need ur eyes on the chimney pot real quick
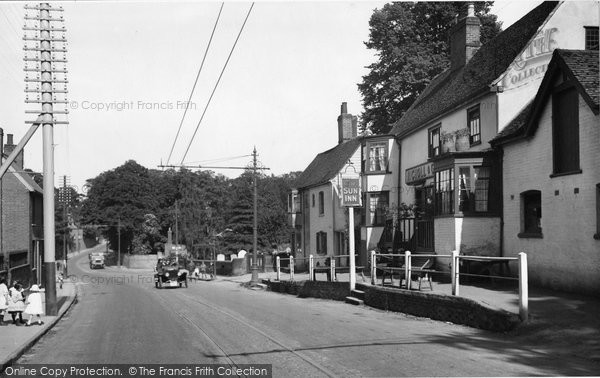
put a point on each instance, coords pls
(344, 108)
(9, 139)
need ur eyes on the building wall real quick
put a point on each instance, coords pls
(16, 212)
(370, 235)
(565, 30)
(567, 257)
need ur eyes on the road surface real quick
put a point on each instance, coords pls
(121, 318)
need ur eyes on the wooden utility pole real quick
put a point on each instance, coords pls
(254, 267)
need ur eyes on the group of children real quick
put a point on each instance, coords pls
(14, 302)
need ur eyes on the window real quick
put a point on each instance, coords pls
(313, 200)
(591, 37)
(322, 243)
(434, 141)
(473, 120)
(473, 186)
(378, 206)
(565, 126)
(378, 156)
(531, 214)
(321, 203)
(444, 192)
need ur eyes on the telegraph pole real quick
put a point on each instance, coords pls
(254, 267)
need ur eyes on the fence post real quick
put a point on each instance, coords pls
(373, 268)
(311, 266)
(291, 268)
(278, 266)
(454, 267)
(333, 277)
(523, 288)
(407, 270)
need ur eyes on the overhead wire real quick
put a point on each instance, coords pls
(217, 84)
(196, 81)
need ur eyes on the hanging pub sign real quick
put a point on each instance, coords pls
(351, 196)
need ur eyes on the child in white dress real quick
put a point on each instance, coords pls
(34, 305)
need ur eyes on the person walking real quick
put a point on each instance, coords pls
(16, 303)
(3, 299)
(34, 305)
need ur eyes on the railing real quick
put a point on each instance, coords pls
(455, 273)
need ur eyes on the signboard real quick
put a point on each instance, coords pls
(351, 192)
(418, 173)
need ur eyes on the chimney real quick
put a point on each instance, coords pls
(8, 149)
(347, 124)
(464, 37)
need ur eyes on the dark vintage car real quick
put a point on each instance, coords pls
(171, 272)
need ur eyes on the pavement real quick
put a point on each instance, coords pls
(16, 340)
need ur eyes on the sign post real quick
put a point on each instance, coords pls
(351, 197)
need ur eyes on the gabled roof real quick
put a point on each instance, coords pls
(454, 88)
(326, 165)
(580, 68)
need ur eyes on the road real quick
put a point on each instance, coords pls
(121, 318)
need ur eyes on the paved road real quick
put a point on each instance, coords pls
(120, 317)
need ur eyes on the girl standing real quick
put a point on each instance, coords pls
(16, 303)
(3, 299)
(34, 305)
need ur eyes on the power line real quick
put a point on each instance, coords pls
(196, 81)
(217, 84)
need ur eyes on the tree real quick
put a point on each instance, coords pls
(411, 40)
(149, 239)
(123, 195)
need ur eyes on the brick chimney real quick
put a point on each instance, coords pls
(347, 125)
(464, 37)
(8, 149)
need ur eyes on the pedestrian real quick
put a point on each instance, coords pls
(3, 299)
(34, 305)
(16, 303)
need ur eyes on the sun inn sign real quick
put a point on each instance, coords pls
(351, 192)
(418, 173)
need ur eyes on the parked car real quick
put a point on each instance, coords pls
(171, 272)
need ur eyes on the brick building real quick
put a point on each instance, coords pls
(551, 176)
(21, 230)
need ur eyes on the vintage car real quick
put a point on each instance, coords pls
(96, 261)
(171, 272)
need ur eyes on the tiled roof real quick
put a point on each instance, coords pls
(326, 165)
(24, 177)
(584, 66)
(452, 88)
(581, 66)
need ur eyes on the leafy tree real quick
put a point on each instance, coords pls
(149, 239)
(123, 195)
(412, 44)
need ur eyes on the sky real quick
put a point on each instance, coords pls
(132, 66)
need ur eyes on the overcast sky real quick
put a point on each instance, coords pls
(293, 66)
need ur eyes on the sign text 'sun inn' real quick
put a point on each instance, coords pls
(351, 192)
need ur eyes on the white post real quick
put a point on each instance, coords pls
(278, 266)
(373, 268)
(454, 267)
(291, 268)
(311, 267)
(351, 244)
(523, 288)
(333, 277)
(407, 269)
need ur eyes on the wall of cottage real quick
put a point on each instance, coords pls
(564, 30)
(320, 222)
(370, 235)
(567, 257)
